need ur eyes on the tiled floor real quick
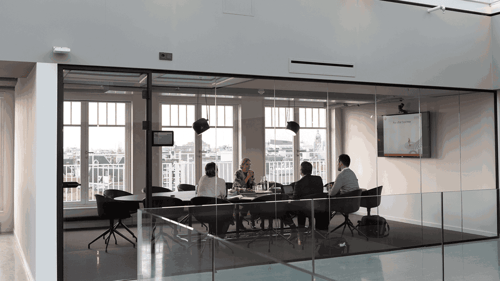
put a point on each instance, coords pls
(11, 265)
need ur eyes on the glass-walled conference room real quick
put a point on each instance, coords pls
(414, 144)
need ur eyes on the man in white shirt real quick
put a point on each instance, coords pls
(346, 181)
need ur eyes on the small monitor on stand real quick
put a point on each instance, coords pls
(163, 138)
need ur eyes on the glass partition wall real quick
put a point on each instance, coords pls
(425, 157)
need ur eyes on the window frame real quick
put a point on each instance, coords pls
(85, 100)
(198, 103)
(296, 139)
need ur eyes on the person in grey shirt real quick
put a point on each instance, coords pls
(346, 181)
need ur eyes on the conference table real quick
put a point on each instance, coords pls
(186, 197)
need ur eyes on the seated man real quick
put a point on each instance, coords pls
(307, 185)
(346, 180)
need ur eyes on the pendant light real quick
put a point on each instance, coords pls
(292, 125)
(201, 125)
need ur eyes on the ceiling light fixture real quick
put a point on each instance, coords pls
(443, 8)
(60, 50)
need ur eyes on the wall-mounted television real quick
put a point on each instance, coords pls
(404, 135)
(163, 138)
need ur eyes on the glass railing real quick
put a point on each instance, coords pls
(316, 239)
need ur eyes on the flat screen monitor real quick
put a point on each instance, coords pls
(163, 138)
(404, 135)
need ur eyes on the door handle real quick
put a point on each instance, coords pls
(71, 184)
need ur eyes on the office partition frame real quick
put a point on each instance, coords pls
(149, 90)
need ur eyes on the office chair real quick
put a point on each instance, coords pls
(218, 217)
(133, 206)
(270, 211)
(171, 213)
(346, 204)
(185, 187)
(371, 198)
(321, 212)
(111, 209)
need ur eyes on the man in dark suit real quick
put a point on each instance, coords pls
(307, 185)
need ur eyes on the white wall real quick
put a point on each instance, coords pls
(7, 161)
(462, 163)
(462, 146)
(387, 42)
(35, 185)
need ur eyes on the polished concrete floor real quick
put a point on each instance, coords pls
(11, 264)
(466, 261)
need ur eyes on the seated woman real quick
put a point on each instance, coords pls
(210, 184)
(244, 180)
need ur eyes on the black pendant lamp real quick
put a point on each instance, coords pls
(293, 126)
(201, 125)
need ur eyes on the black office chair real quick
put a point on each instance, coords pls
(171, 213)
(321, 212)
(185, 187)
(218, 217)
(346, 204)
(111, 210)
(133, 206)
(371, 198)
(269, 211)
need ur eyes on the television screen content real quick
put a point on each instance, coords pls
(163, 138)
(405, 135)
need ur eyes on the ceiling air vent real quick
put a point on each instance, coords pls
(321, 68)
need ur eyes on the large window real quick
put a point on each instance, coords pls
(217, 143)
(178, 161)
(72, 150)
(95, 149)
(312, 145)
(279, 145)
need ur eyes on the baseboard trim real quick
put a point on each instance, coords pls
(26, 267)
